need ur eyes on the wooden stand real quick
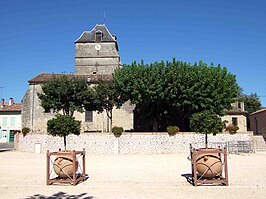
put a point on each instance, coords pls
(217, 180)
(75, 178)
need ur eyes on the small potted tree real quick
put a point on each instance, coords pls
(65, 94)
(63, 125)
(208, 163)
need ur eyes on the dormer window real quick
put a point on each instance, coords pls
(98, 36)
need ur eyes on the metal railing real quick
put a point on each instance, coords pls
(232, 147)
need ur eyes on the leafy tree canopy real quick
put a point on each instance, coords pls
(105, 99)
(171, 92)
(63, 125)
(206, 122)
(64, 92)
(252, 102)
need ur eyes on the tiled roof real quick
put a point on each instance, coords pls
(235, 112)
(13, 107)
(89, 36)
(259, 111)
(39, 79)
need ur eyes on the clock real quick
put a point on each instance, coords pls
(98, 47)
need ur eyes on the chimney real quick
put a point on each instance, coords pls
(242, 106)
(2, 103)
(11, 101)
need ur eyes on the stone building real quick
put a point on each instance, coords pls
(258, 122)
(237, 116)
(10, 120)
(96, 52)
(96, 57)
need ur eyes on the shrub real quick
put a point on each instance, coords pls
(117, 131)
(25, 131)
(172, 130)
(231, 128)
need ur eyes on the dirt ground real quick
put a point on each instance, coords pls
(130, 176)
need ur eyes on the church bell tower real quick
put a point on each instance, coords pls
(96, 52)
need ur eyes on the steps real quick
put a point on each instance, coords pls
(259, 143)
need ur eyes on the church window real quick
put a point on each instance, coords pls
(98, 36)
(88, 116)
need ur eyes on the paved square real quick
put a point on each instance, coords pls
(130, 176)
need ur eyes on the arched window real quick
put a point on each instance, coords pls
(98, 36)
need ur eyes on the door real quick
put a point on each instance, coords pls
(11, 136)
(3, 138)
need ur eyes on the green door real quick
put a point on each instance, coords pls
(11, 136)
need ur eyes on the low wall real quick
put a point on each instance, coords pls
(128, 143)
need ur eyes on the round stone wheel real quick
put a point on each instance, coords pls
(209, 164)
(63, 165)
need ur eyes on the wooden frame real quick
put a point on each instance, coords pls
(217, 180)
(75, 178)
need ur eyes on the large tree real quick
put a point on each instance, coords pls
(105, 99)
(144, 86)
(65, 93)
(170, 93)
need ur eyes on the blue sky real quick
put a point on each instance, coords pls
(38, 36)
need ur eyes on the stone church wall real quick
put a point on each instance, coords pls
(33, 115)
(89, 60)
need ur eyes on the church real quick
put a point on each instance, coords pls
(96, 57)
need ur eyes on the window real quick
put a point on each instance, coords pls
(98, 36)
(88, 116)
(12, 121)
(4, 121)
(234, 121)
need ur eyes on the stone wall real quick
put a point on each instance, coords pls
(128, 143)
(34, 117)
(88, 60)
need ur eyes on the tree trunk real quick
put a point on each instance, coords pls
(109, 114)
(155, 125)
(65, 142)
(206, 140)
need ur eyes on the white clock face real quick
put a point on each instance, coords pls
(98, 47)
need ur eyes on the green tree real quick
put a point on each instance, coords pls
(206, 122)
(252, 102)
(170, 93)
(195, 88)
(105, 99)
(63, 125)
(144, 86)
(63, 93)
(66, 93)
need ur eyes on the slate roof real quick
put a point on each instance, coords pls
(89, 36)
(13, 107)
(39, 79)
